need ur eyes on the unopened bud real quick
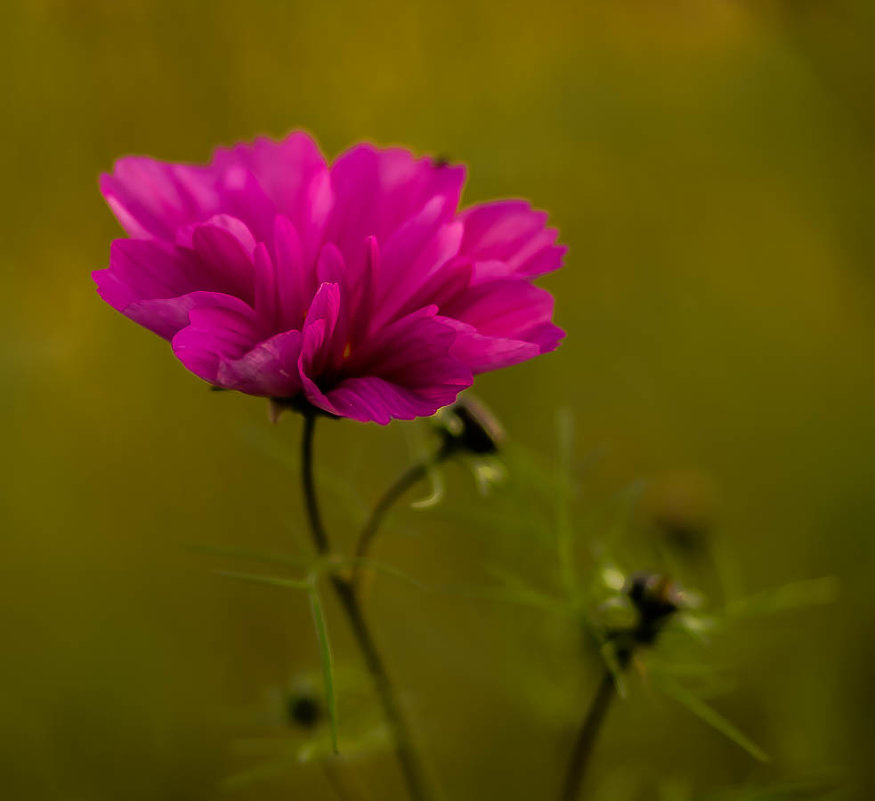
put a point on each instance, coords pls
(469, 426)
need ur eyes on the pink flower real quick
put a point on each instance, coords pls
(357, 287)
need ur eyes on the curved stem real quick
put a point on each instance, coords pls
(408, 479)
(414, 775)
(589, 731)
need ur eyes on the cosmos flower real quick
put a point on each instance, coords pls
(357, 287)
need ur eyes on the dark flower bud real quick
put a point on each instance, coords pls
(303, 710)
(469, 426)
(656, 598)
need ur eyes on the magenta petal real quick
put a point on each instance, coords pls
(374, 399)
(318, 343)
(508, 308)
(153, 199)
(167, 316)
(224, 330)
(412, 255)
(483, 353)
(331, 268)
(269, 369)
(296, 283)
(268, 303)
(414, 353)
(511, 232)
(376, 191)
(224, 245)
(145, 269)
(292, 173)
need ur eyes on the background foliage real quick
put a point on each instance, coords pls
(710, 165)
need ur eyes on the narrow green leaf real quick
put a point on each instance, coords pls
(270, 581)
(712, 717)
(327, 662)
(382, 567)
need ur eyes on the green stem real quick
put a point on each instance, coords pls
(408, 479)
(411, 769)
(588, 733)
(317, 527)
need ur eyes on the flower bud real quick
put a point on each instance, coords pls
(303, 711)
(469, 426)
(656, 598)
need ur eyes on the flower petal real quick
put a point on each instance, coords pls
(374, 399)
(293, 174)
(269, 369)
(224, 246)
(483, 353)
(145, 269)
(509, 308)
(153, 198)
(412, 255)
(318, 340)
(376, 191)
(296, 283)
(510, 232)
(167, 316)
(223, 329)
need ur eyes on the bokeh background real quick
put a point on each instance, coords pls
(710, 165)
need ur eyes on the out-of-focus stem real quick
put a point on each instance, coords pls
(408, 479)
(587, 736)
(411, 768)
(314, 517)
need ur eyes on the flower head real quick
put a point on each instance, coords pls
(357, 287)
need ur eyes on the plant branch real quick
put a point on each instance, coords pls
(408, 479)
(411, 769)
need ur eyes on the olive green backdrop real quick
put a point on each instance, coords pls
(710, 164)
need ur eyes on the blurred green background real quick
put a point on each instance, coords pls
(710, 164)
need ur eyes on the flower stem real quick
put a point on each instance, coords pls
(314, 517)
(588, 733)
(405, 752)
(408, 479)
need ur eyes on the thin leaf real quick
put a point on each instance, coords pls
(382, 567)
(712, 717)
(271, 581)
(327, 663)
